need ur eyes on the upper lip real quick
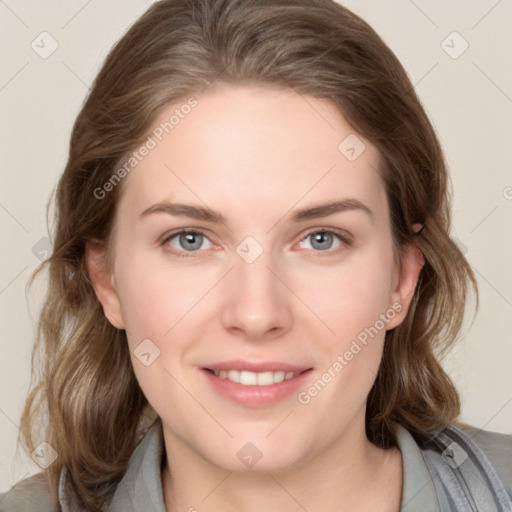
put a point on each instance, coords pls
(256, 367)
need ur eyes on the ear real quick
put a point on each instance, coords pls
(407, 277)
(102, 280)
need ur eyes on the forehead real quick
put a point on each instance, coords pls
(247, 148)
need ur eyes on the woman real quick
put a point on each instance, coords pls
(251, 278)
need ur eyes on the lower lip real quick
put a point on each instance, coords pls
(256, 396)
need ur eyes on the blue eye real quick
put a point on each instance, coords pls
(187, 240)
(324, 240)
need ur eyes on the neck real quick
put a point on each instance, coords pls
(352, 474)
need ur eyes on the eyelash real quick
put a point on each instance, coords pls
(344, 238)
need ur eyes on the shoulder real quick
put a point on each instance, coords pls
(498, 449)
(30, 494)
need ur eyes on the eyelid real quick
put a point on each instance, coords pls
(178, 231)
(344, 236)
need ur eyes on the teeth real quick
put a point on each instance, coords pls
(255, 379)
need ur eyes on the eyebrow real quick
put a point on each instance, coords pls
(206, 214)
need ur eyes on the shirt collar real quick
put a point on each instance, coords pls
(141, 486)
(418, 490)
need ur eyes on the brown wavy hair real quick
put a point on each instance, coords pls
(85, 400)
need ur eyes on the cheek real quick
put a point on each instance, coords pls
(156, 297)
(352, 297)
(354, 303)
(163, 311)
(156, 303)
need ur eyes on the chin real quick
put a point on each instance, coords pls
(253, 453)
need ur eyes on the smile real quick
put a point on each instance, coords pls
(255, 385)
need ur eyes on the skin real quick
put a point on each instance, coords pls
(256, 155)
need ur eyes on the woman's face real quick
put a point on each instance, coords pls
(268, 284)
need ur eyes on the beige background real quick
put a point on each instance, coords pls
(469, 99)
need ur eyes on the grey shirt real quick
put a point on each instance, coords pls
(141, 487)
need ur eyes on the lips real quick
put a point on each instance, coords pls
(255, 384)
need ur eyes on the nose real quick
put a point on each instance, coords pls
(257, 305)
